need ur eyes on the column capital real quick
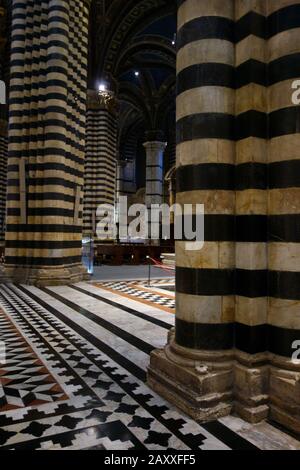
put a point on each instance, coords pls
(155, 145)
(96, 100)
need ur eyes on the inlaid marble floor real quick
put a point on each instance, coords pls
(74, 375)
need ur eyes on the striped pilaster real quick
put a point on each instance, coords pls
(284, 212)
(47, 107)
(195, 369)
(100, 162)
(154, 180)
(3, 177)
(251, 310)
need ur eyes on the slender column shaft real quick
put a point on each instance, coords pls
(100, 163)
(3, 177)
(154, 180)
(46, 140)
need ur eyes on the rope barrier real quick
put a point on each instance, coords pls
(159, 264)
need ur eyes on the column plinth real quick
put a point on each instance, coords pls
(198, 382)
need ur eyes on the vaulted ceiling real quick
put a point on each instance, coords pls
(132, 47)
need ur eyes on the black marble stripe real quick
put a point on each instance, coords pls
(210, 337)
(215, 282)
(222, 176)
(251, 71)
(251, 228)
(222, 228)
(284, 68)
(44, 244)
(252, 123)
(284, 285)
(280, 340)
(242, 282)
(219, 228)
(205, 282)
(48, 166)
(250, 339)
(38, 261)
(251, 175)
(251, 283)
(42, 197)
(284, 121)
(285, 174)
(43, 228)
(284, 228)
(251, 24)
(205, 27)
(284, 19)
(206, 126)
(44, 211)
(205, 176)
(207, 74)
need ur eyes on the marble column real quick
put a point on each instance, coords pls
(195, 370)
(284, 213)
(154, 184)
(3, 122)
(101, 157)
(47, 109)
(3, 177)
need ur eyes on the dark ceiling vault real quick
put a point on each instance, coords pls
(129, 37)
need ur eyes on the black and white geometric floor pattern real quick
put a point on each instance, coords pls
(108, 404)
(154, 298)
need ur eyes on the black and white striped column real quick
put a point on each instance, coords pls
(154, 185)
(284, 213)
(3, 177)
(47, 107)
(195, 370)
(100, 162)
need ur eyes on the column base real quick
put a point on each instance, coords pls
(199, 383)
(285, 393)
(47, 276)
(251, 383)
